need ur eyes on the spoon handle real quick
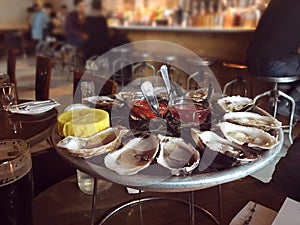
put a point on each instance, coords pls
(166, 79)
(151, 99)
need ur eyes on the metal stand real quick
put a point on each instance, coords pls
(94, 201)
(192, 207)
(220, 204)
(240, 85)
(276, 94)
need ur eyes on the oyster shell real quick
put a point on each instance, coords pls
(177, 156)
(251, 136)
(198, 95)
(210, 140)
(235, 103)
(252, 120)
(136, 155)
(104, 141)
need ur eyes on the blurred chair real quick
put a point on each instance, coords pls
(27, 44)
(106, 86)
(48, 169)
(44, 66)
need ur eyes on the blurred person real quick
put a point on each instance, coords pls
(53, 31)
(273, 50)
(97, 29)
(75, 27)
(30, 11)
(40, 20)
(62, 14)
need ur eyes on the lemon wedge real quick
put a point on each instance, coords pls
(82, 122)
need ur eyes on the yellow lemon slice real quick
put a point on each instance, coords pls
(82, 122)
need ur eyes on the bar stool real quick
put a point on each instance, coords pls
(240, 85)
(120, 65)
(276, 93)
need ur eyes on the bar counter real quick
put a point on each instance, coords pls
(225, 44)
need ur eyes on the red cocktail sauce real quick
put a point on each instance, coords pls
(141, 108)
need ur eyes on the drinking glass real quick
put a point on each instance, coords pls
(16, 187)
(86, 183)
(8, 95)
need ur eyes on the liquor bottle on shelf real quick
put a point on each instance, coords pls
(200, 18)
(228, 14)
(209, 15)
(219, 15)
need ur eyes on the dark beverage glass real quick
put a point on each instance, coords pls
(16, 185)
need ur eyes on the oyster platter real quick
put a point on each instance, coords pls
(232, 132)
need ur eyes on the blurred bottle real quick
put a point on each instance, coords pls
(178, 15)
(249, 15)
(200, 18)
(228, 14)
(87, 90)
(219, 16)
(209, 15)
(193, 14)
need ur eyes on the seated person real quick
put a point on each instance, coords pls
(273, 50)
(286, 176)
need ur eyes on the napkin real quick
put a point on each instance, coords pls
(34, 107)
(288, 213)
(254, 213)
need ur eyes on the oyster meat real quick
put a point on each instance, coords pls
(251, 136)
(210, 140)
(136, 155)
(252, 119)
(102, 142)
(177, 156)
(235, 103)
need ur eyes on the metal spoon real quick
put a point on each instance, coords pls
(151, 99)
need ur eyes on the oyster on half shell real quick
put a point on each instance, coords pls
(251, 136)
(102, 142)
(252, 120)
(136, 155)
(210, 140)
(235, 103)
(177, 156)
